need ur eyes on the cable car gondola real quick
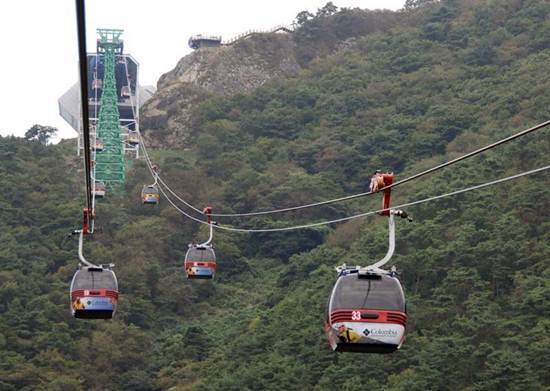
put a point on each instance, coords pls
(150, 195)
(366, 313)
(125, 92)
(98, 146)
(97, 84)
(200, 261)
(94, 293)
(133, 138)
(99, 189)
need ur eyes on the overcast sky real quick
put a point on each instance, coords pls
(40, 54)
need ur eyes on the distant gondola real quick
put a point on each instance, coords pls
(150, 195)
(97, 84)
(98, 146)
(200, 262)
(366, 313)
(125, 92)
(133, 138)
(99, 189)
(94, 293)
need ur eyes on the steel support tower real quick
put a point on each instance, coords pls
(109, 164)
(114, 94)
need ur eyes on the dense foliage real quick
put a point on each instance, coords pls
(437, 81)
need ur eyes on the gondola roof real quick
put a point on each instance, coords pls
(200, 253)
(357, 292)
(94, 278)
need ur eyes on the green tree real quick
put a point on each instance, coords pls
(40, 133)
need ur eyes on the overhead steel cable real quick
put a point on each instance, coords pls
(181, 199)
(365, 214)
(158, 179)
(159, 182)
(364, 194)
(468, 155)
(83, 65)
(182, 211)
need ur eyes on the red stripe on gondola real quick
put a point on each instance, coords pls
(94, 292)
(384, 316)
(211, 265)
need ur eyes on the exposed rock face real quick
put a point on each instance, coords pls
(225, 70)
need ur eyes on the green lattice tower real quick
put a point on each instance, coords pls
(109, 166)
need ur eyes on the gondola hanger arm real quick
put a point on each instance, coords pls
(155, 170)
(80, 252)
(376, 267)
(208, 212)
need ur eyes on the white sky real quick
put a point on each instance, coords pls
(40, 54)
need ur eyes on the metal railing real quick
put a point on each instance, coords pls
(281, 27)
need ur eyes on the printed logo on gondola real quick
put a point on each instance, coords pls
(383, 333)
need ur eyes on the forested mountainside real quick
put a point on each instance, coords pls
(443, 79)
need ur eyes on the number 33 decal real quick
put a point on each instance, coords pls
(355, 315)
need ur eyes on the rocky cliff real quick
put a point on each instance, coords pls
(223, 71)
